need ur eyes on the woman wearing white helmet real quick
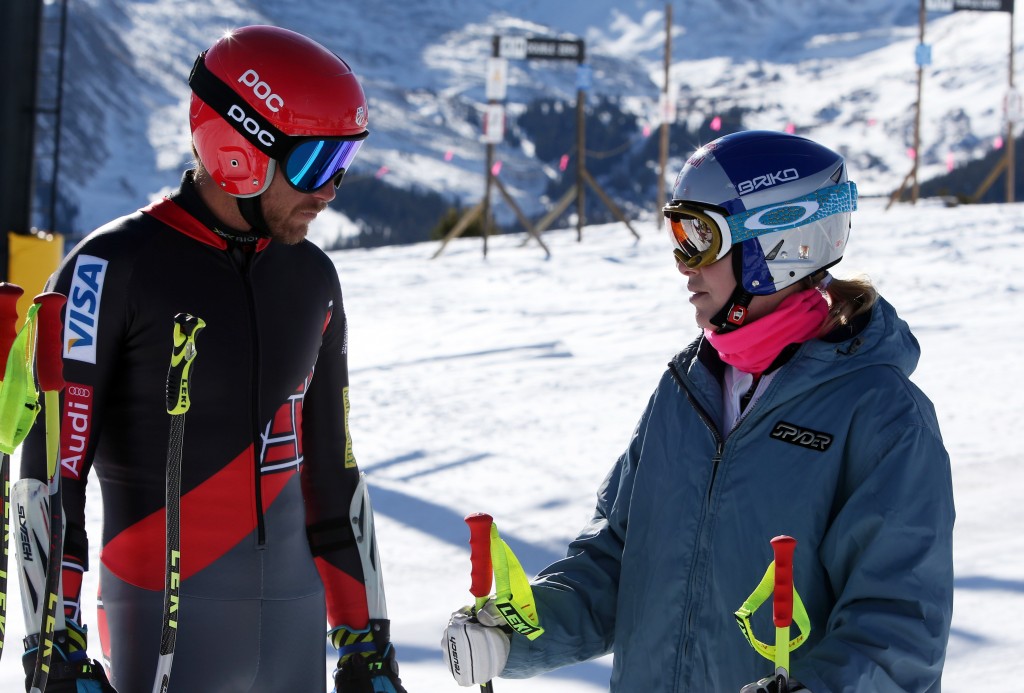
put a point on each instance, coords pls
(792, 414)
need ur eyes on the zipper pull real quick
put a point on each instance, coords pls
(749, 394)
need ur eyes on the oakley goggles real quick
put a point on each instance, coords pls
(312, 162)
(702, 234)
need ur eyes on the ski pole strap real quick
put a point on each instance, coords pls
(513, 595)
(186, 327)
(19, 399)
(349, 642)
(758, 597)
(70, 640)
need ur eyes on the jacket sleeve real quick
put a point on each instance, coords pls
(93, 320)
(577, 596)
(888, 554)
(330, 476)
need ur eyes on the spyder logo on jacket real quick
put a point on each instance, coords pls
(804, 437)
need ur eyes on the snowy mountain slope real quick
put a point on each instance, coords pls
(843, 73)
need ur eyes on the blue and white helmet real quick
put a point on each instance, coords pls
(786, 200)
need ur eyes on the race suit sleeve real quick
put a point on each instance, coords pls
(577, 595)
(888, 554)
(330, 476)
(92, 327)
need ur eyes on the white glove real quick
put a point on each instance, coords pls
(476, 648)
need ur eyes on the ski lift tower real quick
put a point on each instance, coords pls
(506, 48)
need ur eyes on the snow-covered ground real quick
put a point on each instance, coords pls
(510, 384)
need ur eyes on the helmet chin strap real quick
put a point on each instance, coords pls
(733, 314)
(252, 212)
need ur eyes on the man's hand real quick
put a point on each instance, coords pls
(71, 670)
(476, 647)
(366, 660)
(769, 685)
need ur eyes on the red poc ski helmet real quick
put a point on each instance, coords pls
(263, 97)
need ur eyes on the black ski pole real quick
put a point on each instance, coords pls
(186, 327)
(49, 372)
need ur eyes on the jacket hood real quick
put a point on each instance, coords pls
(885, 341)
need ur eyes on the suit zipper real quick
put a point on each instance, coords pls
(254, 397)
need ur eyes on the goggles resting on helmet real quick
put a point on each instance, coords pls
(702, 234)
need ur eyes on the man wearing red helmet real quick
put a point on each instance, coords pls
(276, 528)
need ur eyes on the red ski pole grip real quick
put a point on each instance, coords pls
(782, 605)
(9, 295)
(480, 553)
(49, 361)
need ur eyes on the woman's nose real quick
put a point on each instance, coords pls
(684, 270)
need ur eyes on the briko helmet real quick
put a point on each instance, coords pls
(781, 203)
(262, 94)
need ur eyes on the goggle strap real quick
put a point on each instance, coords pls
(221, 98)
(834, 199)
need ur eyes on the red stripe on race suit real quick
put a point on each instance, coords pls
(211, 526)
(346, 597)
(71, 586)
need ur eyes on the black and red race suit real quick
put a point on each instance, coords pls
(268, 473)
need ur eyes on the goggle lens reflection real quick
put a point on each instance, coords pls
(312, 163)
(697, 237)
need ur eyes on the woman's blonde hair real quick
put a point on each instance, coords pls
(847, 298)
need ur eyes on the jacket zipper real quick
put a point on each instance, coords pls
(706, 418)
(716, 460)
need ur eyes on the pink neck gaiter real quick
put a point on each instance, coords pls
(753, 347)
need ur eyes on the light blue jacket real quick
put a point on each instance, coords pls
(841, 452)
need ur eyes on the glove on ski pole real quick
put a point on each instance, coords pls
(787, 608)
(71, 670)
(366, 659)
(476, 642)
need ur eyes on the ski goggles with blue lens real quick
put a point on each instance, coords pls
(312, 162)
(702, 234)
